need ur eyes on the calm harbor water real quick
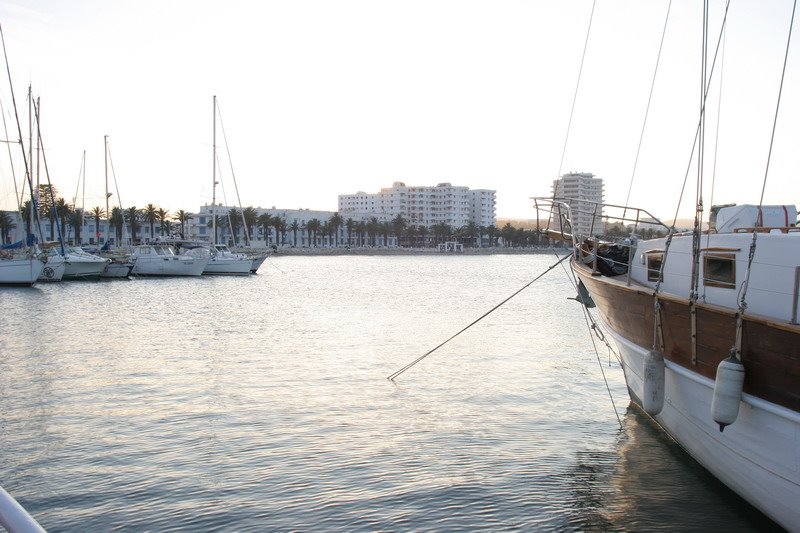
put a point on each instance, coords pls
(262, 403)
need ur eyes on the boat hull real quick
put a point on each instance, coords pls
(22, 272)
(80, 268)
(54, 269)
(758, 456)
(170, 266)
(117, 270)
(229, 266)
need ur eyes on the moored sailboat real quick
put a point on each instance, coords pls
(672, 345)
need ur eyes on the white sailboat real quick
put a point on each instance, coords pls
(161, 260)
(22, 268)
(707, 327)
(222, 260)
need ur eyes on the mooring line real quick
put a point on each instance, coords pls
(394, 375)
(593, 327)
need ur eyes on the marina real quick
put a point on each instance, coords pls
(270, 408)
(227, 358)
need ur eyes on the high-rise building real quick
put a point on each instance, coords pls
(445, 203)
(584, 194)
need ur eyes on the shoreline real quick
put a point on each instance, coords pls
(411, 251)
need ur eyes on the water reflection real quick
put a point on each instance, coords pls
(648, 482)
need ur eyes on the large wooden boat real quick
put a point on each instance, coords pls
(674, 337)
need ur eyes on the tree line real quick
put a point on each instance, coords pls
(243, 225)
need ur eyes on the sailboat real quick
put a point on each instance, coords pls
(120, 262)
(21, 263)
(222, 260)
(707, 328)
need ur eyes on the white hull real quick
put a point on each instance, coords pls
(169, 266)
(228, 265)
(117, 270)
(54, 269)
(758, 456)
(257, 262)
(20, 271)
(77, 268)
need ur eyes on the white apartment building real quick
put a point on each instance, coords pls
(582, 191)
(445, 203)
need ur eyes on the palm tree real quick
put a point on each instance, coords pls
(312, 227)
(117, 220)
(423, 232)
(97, 213)
(250, 217)
(303, 229)
(265, 221)
(161, 216)
(473, 231)
(25, 213)
(398, 225)
(507, 233)
(361, 230)
(64, 211)
(133, 217)
(182, 217)
(372, 229)
(334, 224)
(149, 215)
(294, 226)
(219, 222)
(385, 229)
(492, 232)
(282, 229)
(350, 224)
(75, 220)
(6, 225)
(410, 234)
(278, 224)
(235, 221)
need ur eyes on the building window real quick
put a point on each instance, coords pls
(654, 262)
(720, 271)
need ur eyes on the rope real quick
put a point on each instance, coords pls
(593, 327)
(751, 255)
(577, 86)
(396, 374)
(647, 109)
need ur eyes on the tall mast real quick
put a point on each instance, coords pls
(108, 213)
(35, 195)
(214, 175)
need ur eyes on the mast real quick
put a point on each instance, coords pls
(28, 177)
(34, 192)
(214, 174)
(108, 213)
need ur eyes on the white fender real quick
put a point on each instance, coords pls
(727, 391)
(653, 390)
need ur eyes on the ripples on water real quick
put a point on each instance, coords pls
(261, 403)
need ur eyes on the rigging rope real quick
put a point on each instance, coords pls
(575, 96)
(592, 326)
(396, 374)
(716, 140)
(746, 282)
(647, 109)
(233, 176)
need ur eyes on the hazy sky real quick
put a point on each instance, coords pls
(321, 98)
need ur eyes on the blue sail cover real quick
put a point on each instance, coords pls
(19, 244)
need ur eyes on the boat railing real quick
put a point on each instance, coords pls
(14, 518)
(594, 226)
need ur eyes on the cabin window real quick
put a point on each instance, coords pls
(720, 271)
(654, 262)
